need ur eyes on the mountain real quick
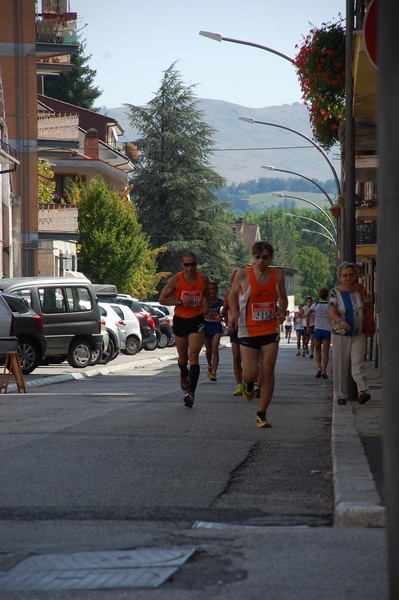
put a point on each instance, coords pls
(241, 148)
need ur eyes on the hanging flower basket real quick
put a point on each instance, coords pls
(320, 64)
(335, 210)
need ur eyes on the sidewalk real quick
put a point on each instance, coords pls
(356, 442)
(357, 438)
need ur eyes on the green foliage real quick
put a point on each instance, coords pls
(46, 184)
(112, 246)
(257, 193)
(173, 182)
(75, 86)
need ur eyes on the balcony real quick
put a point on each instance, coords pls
(8, 156)
(58, 218)
(54, 32)
(58, 129)
(366, 239)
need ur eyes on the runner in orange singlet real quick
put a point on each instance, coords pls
(258, 302)
(188, 291)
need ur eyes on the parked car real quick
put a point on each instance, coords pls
(116, 332)
(19, 320)
(166, 328)
(70, 315)
(133, 340)
(108, 293)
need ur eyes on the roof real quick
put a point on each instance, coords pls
(249, 231)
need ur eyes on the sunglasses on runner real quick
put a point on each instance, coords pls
(263, 257)
(191, 264)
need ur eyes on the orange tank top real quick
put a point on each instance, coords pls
(195, 292)
(257, 305)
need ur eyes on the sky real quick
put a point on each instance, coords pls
(133, 43)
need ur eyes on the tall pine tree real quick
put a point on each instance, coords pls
(173, 181)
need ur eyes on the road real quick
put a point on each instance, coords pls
(117, 462)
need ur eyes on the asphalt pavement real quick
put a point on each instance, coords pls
(345, 561)
(356, 434)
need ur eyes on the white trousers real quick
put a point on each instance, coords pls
(348, 356)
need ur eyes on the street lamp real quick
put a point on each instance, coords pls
(253, 121)
(319, 233)
(270, 168)
(281, 195)
(329, 234)
(220, 38)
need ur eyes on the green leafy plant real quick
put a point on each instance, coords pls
(320, 64)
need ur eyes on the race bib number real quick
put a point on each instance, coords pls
(195, 297)
(263, 311)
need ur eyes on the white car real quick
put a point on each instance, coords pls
(115, 327)
(133, 340)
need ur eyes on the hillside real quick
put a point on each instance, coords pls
(241, 148)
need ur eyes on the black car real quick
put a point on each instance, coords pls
(27, 326)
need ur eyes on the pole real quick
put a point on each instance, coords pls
(388, 260)
(270, 168)
(220, 38)
(305, 137)
(313, 204)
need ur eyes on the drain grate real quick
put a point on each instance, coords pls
(119, 569)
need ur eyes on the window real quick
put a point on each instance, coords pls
(52, 300)
(78, 299)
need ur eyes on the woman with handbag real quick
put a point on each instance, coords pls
(347, 311)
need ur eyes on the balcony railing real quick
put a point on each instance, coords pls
(58, 218)
(52, 28)
(366, 233)
(58, 126)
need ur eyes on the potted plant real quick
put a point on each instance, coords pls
(320, 64)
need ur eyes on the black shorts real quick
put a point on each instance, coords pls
(183, 327)
(258, 341)
(233, 334)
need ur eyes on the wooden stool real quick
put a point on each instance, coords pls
(12, 367)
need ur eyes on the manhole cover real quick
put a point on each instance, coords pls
(119, 569)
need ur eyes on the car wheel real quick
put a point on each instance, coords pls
(163, 341)
(28, 353)
(132, 345)
(108, 354)
(79, 355)
(171, 341)
(150, 344)
(95, 357)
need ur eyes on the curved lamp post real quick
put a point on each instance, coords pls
(281, 195)
(329, 234)
(220, 38)
(270, 168)
(253, 121)
(319, 233)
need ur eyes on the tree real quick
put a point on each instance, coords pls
(173, 184)
(46, 184)
(75, 86)
(112, 246)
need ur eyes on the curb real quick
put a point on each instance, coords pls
(357, 502)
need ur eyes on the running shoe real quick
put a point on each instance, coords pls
(238, 391)
(257, 392)
(310, 355)
(298, 353)
(189, 399)
(213, 377)
(209, 374)
(261, 421)
(318, 374)
(324, 375)
(364, 397)
(248, 390)
(184, 383)
(303, 354)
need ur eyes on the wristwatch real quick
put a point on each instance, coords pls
(180, 303)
